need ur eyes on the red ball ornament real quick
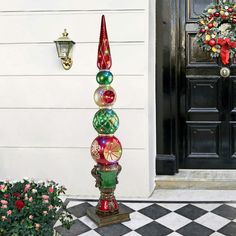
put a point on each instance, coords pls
(210, 17)
(210, 25)
(217, 14)
(230, 9)
(212, 42)
(206, 41)
(234, 20)
(109, 96)
(106, 150)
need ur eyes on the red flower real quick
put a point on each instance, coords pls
(6, 196)
(16, 194)
(50, 189)
(19, 204)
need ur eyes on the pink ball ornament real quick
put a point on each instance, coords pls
(105, 96)
(106, 150)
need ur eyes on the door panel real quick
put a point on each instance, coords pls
(203, 140)
(202, 93)
(194, 54)
(194, 8)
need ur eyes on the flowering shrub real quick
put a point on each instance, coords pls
(28, 208)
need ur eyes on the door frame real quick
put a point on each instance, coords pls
(168, 46)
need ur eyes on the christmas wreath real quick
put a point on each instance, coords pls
(217, 30)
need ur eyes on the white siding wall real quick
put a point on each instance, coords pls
(46, 112)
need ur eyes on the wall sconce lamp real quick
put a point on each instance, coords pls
(64, 50)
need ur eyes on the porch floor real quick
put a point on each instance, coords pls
(166, 212)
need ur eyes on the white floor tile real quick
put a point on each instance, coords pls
(90, 233)
(86, 220)
(207, 206)
(132, 233)
(137, 220)
(93, 203)
(172, 206)
(212, 221)
(137, 206)
(73, 203)
(232, 204)
(58, 223)
(173, 221)
(174, 234)
(217, 234)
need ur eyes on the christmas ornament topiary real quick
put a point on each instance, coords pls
(106, 149)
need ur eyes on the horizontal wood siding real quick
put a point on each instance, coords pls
(71, 5)
(82, 27)
(41, 59)
(67, 92)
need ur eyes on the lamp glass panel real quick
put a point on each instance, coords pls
(64, 49)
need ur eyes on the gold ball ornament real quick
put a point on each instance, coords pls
(215, 24)
(208, 37)
(214, 49)
(202, 22)
(235, 6)
(209, 11)
(222, 12)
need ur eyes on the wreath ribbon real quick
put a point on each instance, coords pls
(225, 44)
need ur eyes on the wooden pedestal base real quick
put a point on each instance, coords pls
(108, 220)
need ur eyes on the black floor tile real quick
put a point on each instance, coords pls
(77, 228)
(195, 229)
(154, 229)
(113, 230)
(191, 212)
(229, 229)
(79, 210)
(126, 208)
(154, 211)
(226, 211)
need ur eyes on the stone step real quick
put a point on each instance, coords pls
(198, 179)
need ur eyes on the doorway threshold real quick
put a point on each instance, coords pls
(198, 179)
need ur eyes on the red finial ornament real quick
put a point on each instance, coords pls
(104, 54)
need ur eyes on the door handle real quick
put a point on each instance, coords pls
(225, 72)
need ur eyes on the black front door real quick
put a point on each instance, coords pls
(207, 102)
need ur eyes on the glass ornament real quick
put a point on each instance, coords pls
(104, 77)
(106, 121)
(104, 54)
(104, 96)
(106, 150)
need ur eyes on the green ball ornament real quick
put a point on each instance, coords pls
(106, 121)
(104, 77)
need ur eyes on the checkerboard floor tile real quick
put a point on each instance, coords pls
(157, 219)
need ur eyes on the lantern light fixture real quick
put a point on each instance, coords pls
(64, 50)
